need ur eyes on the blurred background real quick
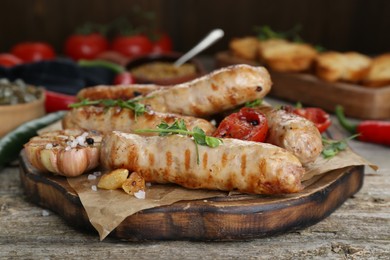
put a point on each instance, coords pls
(358, 25)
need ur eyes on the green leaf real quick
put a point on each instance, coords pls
(213, 141)
(199, 136)
(254, 103)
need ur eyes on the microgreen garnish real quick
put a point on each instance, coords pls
(333, 147)
(132, 104)
(179, 127)
(254, 103)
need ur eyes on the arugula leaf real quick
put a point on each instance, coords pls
(132, 104)
(179, 127)
(254, 103)
(333, 147)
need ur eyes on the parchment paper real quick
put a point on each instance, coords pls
(106, 209)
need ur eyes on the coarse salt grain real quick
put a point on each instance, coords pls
(97, 174)
(91, 177)
(140, 194)
(68, 148)
(45, 213)
(49, 146)
(94, 188)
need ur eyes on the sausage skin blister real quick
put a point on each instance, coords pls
(294, 133)
(218, 91)
(115, 118)
(247, 167)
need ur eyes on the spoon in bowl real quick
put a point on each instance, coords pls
(212, 37)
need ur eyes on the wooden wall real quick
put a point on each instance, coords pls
(359, 25)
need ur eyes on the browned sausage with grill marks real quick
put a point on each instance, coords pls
(248, 167)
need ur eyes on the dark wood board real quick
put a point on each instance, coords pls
(358, 101)
(237, 217)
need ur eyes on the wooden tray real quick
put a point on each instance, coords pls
(238, 217)
(358, 101)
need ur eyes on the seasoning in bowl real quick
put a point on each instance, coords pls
(163, 70)
(17, 92)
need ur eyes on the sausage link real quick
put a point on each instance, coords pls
(248, 167)
(124, 92)
(294, 133)
(218, 91)
(115, 118)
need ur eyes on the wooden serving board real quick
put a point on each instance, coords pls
(237, 217)
(358, 101)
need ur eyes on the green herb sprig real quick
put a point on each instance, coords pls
(333, 147)
(132, 104)
(254, 103)
(179, 127)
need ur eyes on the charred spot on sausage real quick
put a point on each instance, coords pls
(136, 93)
(259, 88)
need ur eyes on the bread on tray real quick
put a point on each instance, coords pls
(379, 73)
(335, 66)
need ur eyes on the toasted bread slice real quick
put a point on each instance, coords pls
(245, 48)
(335, 66)
(285, 56)
(379, 74)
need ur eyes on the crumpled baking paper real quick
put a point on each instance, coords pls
(106, 209)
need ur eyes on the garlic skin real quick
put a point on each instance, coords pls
(51, 152)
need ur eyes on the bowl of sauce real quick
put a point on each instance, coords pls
(159, 69)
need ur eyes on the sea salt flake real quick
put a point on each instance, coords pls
(45, 213)
(97, 173)
(49, 146)
(94, 188)
(91, 177)
(140, 194)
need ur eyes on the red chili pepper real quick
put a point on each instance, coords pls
(57, 101)
(372, 131)
(318, 116)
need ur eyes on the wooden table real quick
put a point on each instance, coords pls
(359, 229)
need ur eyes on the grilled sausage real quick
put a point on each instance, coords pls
(124, 92)
(294, 133)
(66, 152)
(115, 118)
(248, 167)
(218, 91)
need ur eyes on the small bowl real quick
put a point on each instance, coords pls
(169, 58)
(12, 116)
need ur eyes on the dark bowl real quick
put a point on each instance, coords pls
(167, 57)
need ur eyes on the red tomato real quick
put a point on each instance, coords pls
(8, 60)
(124, 78)
(247, 124)
(131, 46)
(88, 46)
(33, 51)
(319, 117)
(57, 101)
(163, 44)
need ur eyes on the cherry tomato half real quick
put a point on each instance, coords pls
(131, 46)
(33, 51)
(318, 116)
(8, 60)
(85, 46)
(247, 124)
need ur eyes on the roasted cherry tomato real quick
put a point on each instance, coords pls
(33, 51)
(85, 46)
(318, 116)
(124, 78)
(57, 101)
(162, 44)
(8, 60)
(247, 124)
(131, 46)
